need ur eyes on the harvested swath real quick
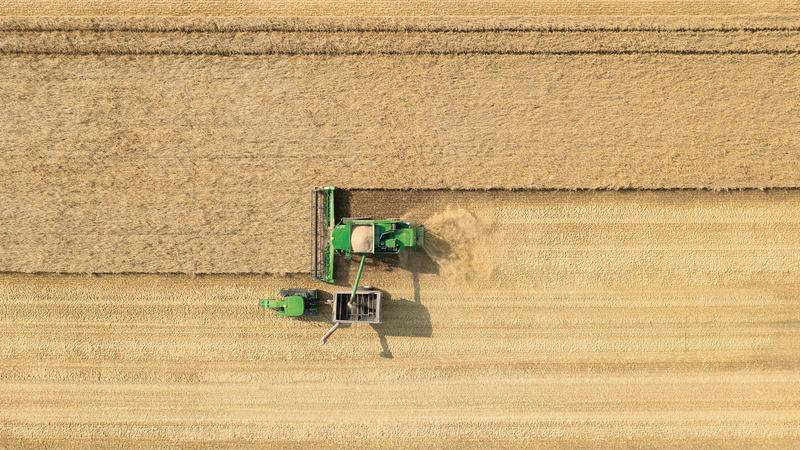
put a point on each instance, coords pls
(203, 163)
(362, 8)
(535, 42)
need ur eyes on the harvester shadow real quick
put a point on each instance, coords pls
(399, 317)
(417, 262)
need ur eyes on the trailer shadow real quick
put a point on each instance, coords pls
(401, 318)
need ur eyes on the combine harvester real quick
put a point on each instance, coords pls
(361, 237)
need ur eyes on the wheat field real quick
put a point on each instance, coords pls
(370, 8)
(609, 188)
(190, 145)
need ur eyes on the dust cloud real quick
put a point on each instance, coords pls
(457, 240)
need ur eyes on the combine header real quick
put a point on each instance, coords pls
(347, 237)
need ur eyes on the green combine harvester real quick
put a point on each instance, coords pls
(348, 237)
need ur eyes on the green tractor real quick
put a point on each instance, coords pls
(293, 303)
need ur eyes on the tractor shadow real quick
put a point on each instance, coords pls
(324, 309)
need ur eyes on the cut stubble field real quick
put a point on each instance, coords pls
(550, 318)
